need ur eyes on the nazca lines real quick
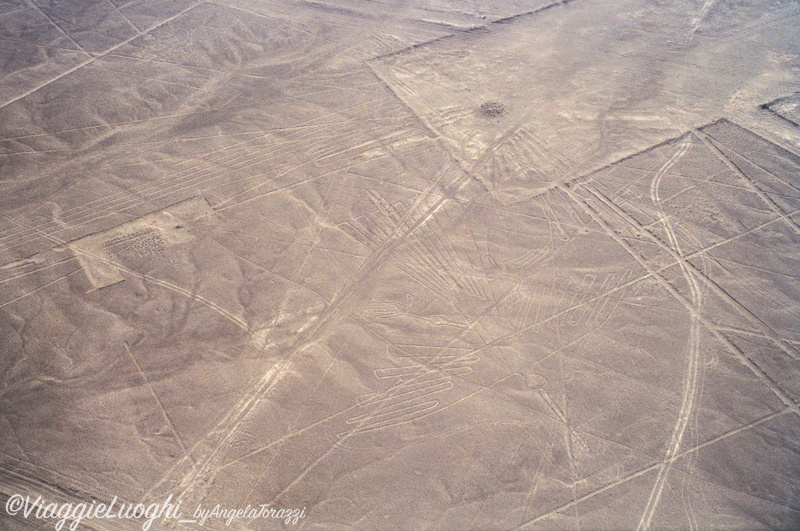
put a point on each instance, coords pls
(609, 215)
(432, 259)
(522, 154)
(223, 167)
(410, 397)
(565, 303)
(100, 255)
(428, 256)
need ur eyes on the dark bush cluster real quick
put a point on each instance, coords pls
(492, 109)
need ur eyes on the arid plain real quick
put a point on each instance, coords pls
(402, 265)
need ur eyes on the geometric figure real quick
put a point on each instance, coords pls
(787, 108)
(145, 237)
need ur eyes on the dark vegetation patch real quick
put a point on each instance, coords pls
(492, 109)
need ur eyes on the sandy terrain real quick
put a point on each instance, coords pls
(418, 264)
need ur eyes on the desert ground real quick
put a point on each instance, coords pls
(400, 264)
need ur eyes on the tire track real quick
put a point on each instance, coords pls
(700, 275)
(642, 471)
(791, 405)
(693, 363)
(657, 274)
